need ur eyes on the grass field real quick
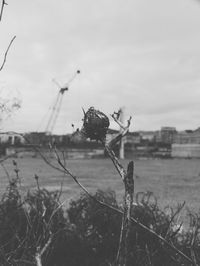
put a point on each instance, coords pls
(171, 181)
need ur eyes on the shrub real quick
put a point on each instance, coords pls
(88, 234)
(26, 223)
(98, 227)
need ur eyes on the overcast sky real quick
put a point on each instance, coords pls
(141, 54)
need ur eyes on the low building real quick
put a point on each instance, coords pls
(37, 138)
(188, 136)
(168, 134)
(149, 136)
(11, 138)
(188, 150)
(132, 137)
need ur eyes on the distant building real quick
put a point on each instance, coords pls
(11, 138)
(147, 135)
(188, 136)
(132, 137)
(37, 138)
(187, 144)
(43, 139)
(188, 150)
(168, 134)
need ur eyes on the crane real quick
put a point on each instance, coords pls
(57, 104)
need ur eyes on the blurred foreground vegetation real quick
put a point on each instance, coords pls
(88, 234)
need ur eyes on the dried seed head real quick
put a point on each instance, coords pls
(95, 124)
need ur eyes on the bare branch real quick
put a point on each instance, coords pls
(124, 130)
(123, 249)
(2, 8)
(174, 214)
(40, 252)
(115, 161)
(120, 123)
(127, 178)
(5, 170)
(148, 255)
(108, 146)
(194, 236)
(6, 53)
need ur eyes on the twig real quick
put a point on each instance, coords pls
(108, 146)
(194, 236)
(5, 170)
(174, 214)
(123, 250)
(120, 123)
(62, 181)
(6, 53)
(127, 178)
(38, 256)
(148, 255)
(16, 169)
(123, 131)
(2, 8)
(115, 161)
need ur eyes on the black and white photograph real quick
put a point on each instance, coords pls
(100, 133)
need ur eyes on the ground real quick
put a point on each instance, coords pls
(171, 181)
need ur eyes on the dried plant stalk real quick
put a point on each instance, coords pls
(123, 250)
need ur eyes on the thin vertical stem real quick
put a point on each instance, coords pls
(123, 250)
